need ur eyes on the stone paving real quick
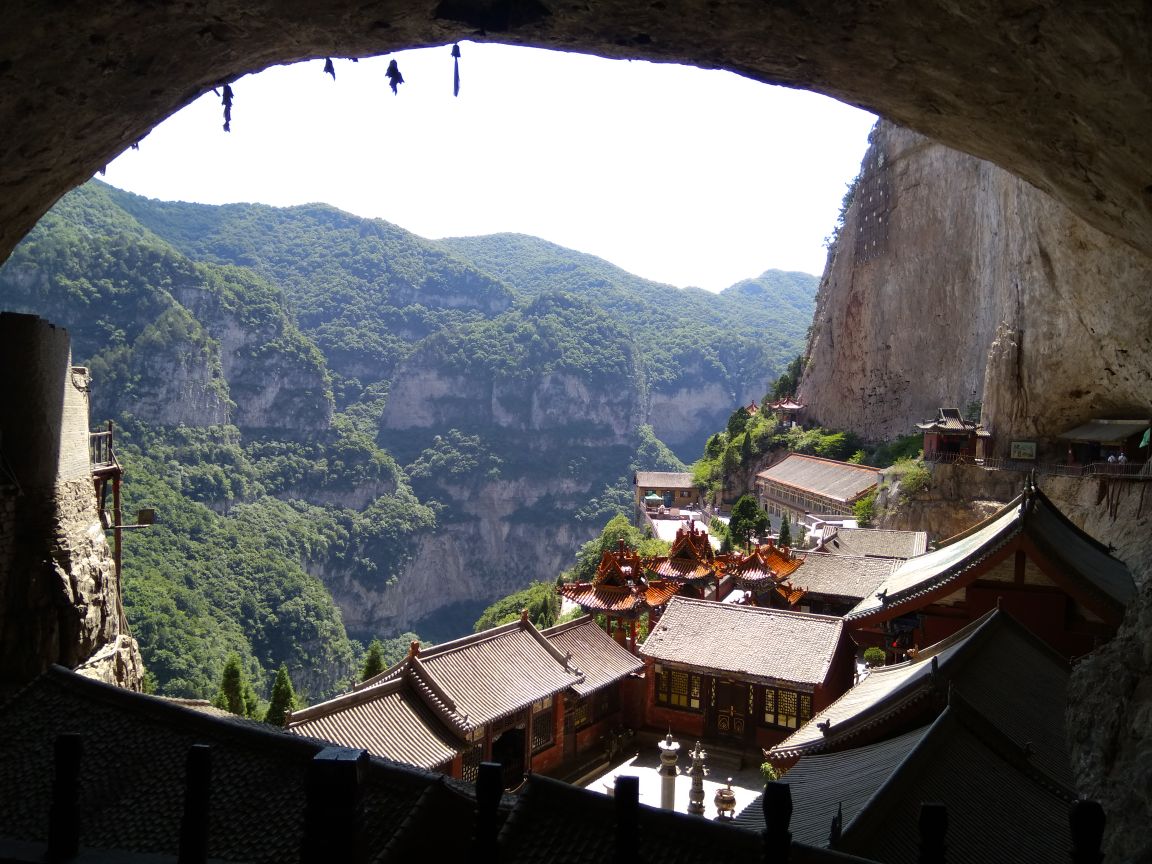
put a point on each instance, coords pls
(747, 782)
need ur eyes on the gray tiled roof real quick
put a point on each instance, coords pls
(394, 723)
(995, 663)
(1031, 513)
(767, 644)
(602, 659)
(877, 542)
(839, 481)
(663, 480)
(1001, 804)
(841, 575)
(133, 765)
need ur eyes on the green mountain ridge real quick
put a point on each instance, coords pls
(346, 427)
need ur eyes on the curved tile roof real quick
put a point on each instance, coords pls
(602, 660)
(838, 481)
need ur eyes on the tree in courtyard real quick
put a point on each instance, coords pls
(236, 693)
(746, 520)
(283, 699)
(785, 531)
(373, 661)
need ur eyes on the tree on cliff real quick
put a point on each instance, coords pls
(236, 693)
(747, 519)
(283, 699)
(373, 661)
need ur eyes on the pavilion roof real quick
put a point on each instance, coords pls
(1106, 431)
(762, 563)
(786, 404)
(619, 599)
(1085, 568)
(838, 481)
(602, 659)
(663, 480)
(949, 421)
(1007, 672)
(751, 642)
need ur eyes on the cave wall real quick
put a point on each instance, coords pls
(952, 282)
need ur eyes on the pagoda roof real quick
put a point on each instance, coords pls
(987, 780)
(681, 570)
(619, 600)
(996, 663)
(761, 564)
(828, 478)
(786, 404)
(949, 421)
(876, 542)
(1080, 565)
(601, 658)
(768, 645)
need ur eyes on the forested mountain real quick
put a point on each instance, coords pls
(343, 425)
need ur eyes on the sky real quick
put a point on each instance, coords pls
(676, 174)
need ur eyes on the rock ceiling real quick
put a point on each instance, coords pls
(1059, 93)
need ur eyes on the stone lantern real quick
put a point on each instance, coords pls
(669, 752)
(698, 772)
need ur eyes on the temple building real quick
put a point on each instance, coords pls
(760, 578)
(787, 410)
(798, 485)
(948, 434)
(691, 563)
(1028, 559)
(742, 674)
(668, 489)
(1096, 440)
(513, 694)
(621, 592)
(835, 584)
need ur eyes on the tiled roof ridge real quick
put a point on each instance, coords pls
(943, 579)
(990, 733)
(346, 700)
(915, 690)
(983, 523)
(437, 700)
(852, 465)
(564, 627)
(763, 610)
(1040, 498)
(559, 656)
(64, 679)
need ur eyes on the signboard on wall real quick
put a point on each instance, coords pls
(1022, 450)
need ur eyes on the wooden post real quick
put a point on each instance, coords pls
(933, 830)
(1087, 821)
(197, 788)
(777, 818)
(489, 788)
(627, 801)
(333, 813)
(64, 815)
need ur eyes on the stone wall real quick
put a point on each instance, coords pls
(59, 590)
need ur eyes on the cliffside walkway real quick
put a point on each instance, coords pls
(1134, 471)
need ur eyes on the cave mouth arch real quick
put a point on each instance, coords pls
(1058, 97)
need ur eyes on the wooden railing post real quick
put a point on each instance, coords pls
(1087, 821)
(777, 818)
(933, 831)
(197, 789)
(333, 814)
(489, 788)
(64, 815)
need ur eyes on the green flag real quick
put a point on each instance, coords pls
(1144, 440)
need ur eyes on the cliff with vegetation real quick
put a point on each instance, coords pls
(348, 430)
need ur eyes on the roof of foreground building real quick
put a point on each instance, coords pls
(827, 478)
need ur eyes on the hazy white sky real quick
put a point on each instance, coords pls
(677, 174)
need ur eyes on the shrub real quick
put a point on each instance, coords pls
(874, 656)
(864, 510)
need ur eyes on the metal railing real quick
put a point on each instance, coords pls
(1120, 470)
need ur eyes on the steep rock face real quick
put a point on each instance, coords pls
(497, 548)
(955, 282)
(683, 416)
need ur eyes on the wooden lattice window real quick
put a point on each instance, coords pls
(678, 689)
(543, 728)
(786, 708)
(470, 764)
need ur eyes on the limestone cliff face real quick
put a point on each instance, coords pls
(955, 282)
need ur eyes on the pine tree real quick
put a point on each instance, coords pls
(283, 699)
(373, 661)
(785, 531)
(236, 694)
